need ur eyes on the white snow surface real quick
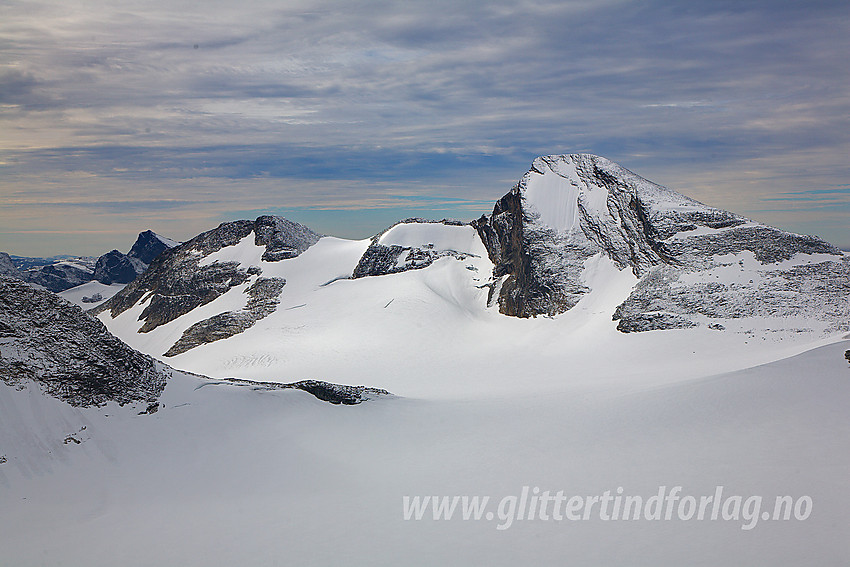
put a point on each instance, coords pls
(76, 294)
(226, 475)
(555, 195)
(167, 241)
(437, 235)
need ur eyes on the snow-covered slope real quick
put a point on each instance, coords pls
(90, 294)
(222, 475)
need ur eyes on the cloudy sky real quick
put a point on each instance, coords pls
(120, 116)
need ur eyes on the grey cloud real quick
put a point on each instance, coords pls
(372, 90)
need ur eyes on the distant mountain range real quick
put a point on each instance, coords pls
(537, 254)
(578, 235)
(60, 273)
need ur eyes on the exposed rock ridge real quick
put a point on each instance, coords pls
(325, 391)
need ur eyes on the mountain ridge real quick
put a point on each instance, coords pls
(578, 239)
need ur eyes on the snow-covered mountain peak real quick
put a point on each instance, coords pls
(559, 191)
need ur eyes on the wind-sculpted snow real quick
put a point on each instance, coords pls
(416, 251)
(70, 355)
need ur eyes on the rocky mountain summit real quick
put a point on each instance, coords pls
(67, 353)
(189, 276)
(149, 245)
(695, 263)
(116, 267)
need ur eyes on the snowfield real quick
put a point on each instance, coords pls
(76, 294)
(225, 475)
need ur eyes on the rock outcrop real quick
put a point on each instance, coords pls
(70, 355)
(7, 267)
(382, 258)
(325, 391)
(262, 301)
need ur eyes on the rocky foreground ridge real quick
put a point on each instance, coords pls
(67, 353)
(47, 342)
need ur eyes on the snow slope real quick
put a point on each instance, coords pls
(76, 294)
(225, 475)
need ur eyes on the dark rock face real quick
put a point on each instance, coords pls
(7, 267)
(263, 299)
(70, 355)
(148, 246)
(176, 282)
(59, 276)
(115, 267)
(653, 322)
(380, 259)
(537, 271)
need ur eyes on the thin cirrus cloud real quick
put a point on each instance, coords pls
(188, 115)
